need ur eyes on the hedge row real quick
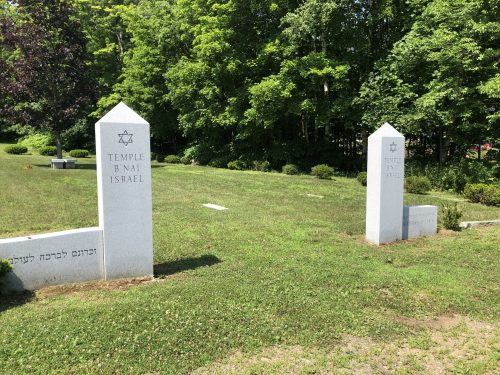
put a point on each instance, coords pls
(483, 193)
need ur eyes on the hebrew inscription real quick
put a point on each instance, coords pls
(55, 256)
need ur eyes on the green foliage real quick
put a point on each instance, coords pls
(17, 149)
(4, 268)
(483, 193)
(219, 162)
(454, 175)
(48, 151)
(239, 165)
(451, 213)
(36, 140)
(262, 166)
(438, 81)
(160, 158)
(201, 153)
(153, 156)
(290, 169)
(417, 184)
(173, 159)
(79, 153)
(322, 171)
(48, 96)
(362, 178)
(185, 160)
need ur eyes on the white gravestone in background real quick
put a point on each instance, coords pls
(124, 190)
(385, 183)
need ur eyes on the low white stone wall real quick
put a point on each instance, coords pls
(419, 221)
(54, 258)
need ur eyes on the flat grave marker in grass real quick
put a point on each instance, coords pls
(215, 207)
(122, 245)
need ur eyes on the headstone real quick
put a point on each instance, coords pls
(385, 183)
(54, 258)
(419, 221)
(124, 191)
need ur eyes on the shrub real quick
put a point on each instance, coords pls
(237, 164)
(201, 153)
(262, 166)
(160, 158)
(453, 176)
(4, 268)
(362, 178)
(173, 159)
(218, 163)
(474, 192)
(417, 184)
(16, 149)
(78, 153)
(36, 141)
(451, 213)
(483, 193)
(322, 171)
(185, 160)
(153, 156)
(48, 151)
(290, 169)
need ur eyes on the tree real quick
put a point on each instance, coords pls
(154, 48)
(47, 80)
(105, 25)
(440, 83)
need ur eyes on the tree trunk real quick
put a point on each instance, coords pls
(326, 89)
(305, 130)
(58, 144)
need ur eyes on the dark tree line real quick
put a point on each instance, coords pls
(278, 80)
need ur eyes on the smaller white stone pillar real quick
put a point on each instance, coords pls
(385, 183)
(124, 193)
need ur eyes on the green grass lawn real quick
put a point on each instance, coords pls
(280, 283)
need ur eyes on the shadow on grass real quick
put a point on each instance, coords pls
(157, 166)
(13, 300)
(170, 268)
(77, 166)
(85, 166)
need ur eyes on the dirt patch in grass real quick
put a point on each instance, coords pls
(74, 289)
(444, 345)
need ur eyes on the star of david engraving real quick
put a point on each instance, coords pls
(393, 147)
(125, 138)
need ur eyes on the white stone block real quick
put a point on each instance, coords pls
(55, 258)
(385, 182)
(419, 221)
(124, 193)
(214, 206)
(63, 163)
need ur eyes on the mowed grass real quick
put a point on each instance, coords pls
(279, 269)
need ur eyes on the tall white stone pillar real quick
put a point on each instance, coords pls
(384, 196)
(124, 193)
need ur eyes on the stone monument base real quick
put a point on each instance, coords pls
(419, 221)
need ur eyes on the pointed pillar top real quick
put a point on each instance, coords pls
(122, 114)
(386, 130)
